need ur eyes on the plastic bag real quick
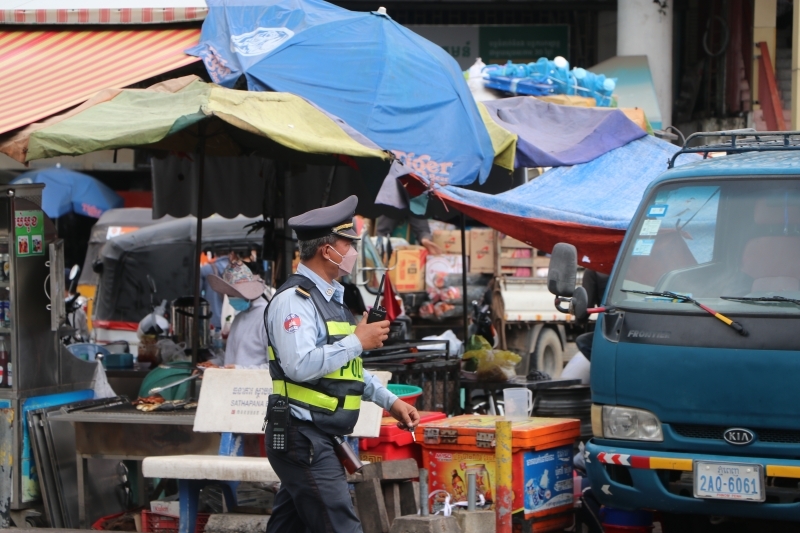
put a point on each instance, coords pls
(101, 387)
(493, 365)
(577, 368)
(154, 323)
(455, 342)
(440, 311)
(171, 352)
(453, 295)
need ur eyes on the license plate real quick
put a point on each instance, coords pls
(729, 481)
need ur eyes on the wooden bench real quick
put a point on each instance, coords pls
(194, 472)
(232, 402)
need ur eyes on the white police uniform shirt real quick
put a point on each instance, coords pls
(298, 334)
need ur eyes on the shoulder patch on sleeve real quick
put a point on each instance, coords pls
(291, 323)
(302, 292)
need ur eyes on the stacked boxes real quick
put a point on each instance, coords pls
(542, 463)
(481, 250)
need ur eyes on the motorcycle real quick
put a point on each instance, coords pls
(74, 329)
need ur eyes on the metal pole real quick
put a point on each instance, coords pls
(504, 505)
(464, 276)
(795, 103)
(471, 491)
(199, 248)
(423, 492)
(288, 244)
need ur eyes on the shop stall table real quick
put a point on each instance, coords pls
(124, 433)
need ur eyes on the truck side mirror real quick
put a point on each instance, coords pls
(563, 270)
(579, 305)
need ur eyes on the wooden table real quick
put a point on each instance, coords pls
(123, 433)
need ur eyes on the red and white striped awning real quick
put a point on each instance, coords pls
(149, 15)
(101, 11)
(45, 72)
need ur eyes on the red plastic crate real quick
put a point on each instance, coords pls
(100, 522)
(394, 443)
(164, 523)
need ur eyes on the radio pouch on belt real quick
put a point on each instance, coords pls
(279, 414)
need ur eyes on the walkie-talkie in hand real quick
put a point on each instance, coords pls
(378, 312)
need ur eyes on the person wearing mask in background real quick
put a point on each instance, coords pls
(315, 344)
(247, 340)
(215, 267)
(420, 229)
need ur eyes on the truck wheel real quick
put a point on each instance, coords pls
(548, 356)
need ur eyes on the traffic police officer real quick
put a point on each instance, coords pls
(314, 362)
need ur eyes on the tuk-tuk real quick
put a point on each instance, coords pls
(166, 254)
(111, 224)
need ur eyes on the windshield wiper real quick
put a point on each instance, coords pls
(758, 299)
(688, 299)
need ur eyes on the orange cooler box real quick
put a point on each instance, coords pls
(541, 463)
(394, 443)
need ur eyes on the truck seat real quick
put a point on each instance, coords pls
(773, 259)
(773, 262)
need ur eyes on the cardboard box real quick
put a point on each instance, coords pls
(481, 250)
(437, 267)
(450, 241)
(408, 274)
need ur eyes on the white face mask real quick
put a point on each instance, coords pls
(348, 260)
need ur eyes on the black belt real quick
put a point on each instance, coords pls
(297, 422)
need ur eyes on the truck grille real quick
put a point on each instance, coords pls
(698, 431)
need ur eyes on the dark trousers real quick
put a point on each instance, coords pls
(313, 497)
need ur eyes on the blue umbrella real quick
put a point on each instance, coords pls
(67, 191)
(401, 91)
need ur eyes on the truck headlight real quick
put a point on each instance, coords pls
(626, 423)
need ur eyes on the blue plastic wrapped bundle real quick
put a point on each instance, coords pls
(545, 77)
(594, 85)
(517, 79)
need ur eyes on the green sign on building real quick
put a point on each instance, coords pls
(498, 44)
(29, 232)
(522, 44)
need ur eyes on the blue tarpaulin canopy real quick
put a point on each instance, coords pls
(67, 191)
(401, 91)
(589, 205)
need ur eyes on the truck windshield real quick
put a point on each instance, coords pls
(732, 238)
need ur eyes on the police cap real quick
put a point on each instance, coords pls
(335, 219)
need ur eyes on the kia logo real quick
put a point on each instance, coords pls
(739, 436)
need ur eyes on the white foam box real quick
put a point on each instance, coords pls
(171, 508)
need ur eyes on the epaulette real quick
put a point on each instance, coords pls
(302, 292)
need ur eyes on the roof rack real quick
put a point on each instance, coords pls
(745, 140)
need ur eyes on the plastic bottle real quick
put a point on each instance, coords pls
(564, 82)
(216, 338)
(226, 327)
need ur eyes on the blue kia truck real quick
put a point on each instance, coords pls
(695, 359)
